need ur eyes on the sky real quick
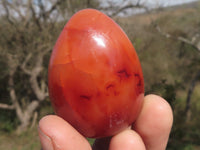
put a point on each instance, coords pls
(154, 2)
(148, 3)
(168, 2)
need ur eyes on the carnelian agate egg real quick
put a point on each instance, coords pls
(95, 77)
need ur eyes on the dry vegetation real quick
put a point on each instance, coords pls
(171, 65)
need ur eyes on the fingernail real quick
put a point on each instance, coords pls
(46, 141)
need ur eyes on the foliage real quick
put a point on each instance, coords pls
(169, 66)
(29, 30)
(7, 125)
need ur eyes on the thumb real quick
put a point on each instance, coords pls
(56, 134)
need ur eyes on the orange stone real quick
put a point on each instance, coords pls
(95, 77)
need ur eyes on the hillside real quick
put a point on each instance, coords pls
(169, 65)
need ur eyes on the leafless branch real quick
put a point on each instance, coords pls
(28, 13)
(138, 2)
(190, 92)
(16, 9)
(161, 32)
(23, 66)
(36, 20)
(126, 7)
(53, 7)
(32, 106)
(12, 69)
(6, 106)
(42, 9)
(114, 10)
(194, 42)
(5, 5)
(34, 120)
(34, 74)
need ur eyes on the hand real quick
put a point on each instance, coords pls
(149, 132)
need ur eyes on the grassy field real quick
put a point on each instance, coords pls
(26, 141)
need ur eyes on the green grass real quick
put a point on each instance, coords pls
(91, 141)
(29, 140)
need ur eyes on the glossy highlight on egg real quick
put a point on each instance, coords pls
(95, 78)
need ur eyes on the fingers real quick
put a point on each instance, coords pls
(126, 140)
(152, 130)
(154, 122)
(57, 134)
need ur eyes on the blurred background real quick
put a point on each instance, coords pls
(165, 34)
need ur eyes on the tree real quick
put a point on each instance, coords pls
(29, 29)
(192, 40)
(113, 8)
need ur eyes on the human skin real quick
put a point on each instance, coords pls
(149, 132)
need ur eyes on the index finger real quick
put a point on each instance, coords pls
(154, 122)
